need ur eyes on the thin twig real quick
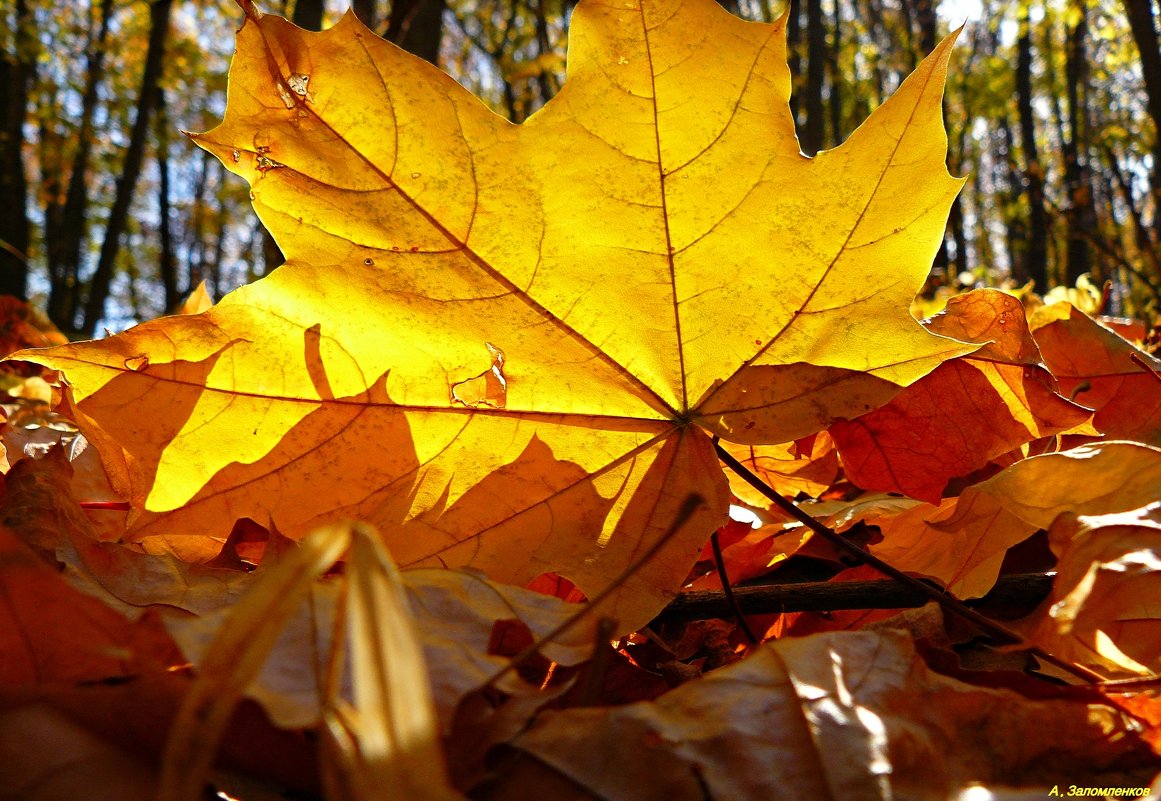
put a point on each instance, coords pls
(946, 600)
(729, 591)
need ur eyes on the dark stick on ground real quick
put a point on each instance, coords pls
(946, 600)
(1012, 595)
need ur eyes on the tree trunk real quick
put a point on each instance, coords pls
(925, 20)
(365, 11)
(1035, 250)
(794, 58)
(131, 168)
(308, 14)
(545, 80)
(166, 256)
(1144, 28)
(1081, 221)
(816, 55)
(17, 73)
(863, 104)
(66, 227)
(836, 78)
(417, 27)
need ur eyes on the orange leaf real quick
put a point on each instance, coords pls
(50, 632)
(1096, 366)
(963, 541)
(809, 466)
(1105, 605)
(846, 715)
(963, 414)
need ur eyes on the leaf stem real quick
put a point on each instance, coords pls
(946, 600)
(728, 590)
(1139, 360)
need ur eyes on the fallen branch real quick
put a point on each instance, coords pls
(1014, 594)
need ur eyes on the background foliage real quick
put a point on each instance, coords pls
(1052, 113)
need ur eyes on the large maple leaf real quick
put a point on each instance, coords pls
(504, 344)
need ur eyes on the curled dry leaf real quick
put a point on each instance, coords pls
(962, 542)
(53, 633)
(966, 412)
(1094, 365)
(39, 507)
(605, 269)
(1105, 606)
(850, 715)
(455, 612)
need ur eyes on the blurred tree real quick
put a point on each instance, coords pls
(1030, 258)
(1144, 29)
(17, 74)
(1052, 109)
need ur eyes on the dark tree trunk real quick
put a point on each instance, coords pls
(66, 227)
(365, 11)
(417, 27)
(836, 78)
(1015, 222)
(925, 21)
(131, 168)
(909, 33)
(863, 104)
(1081, 220)
(545, 80)
(212, 271)
(308, 14)
(816, 57)
(955, 226)
(167, 256)
(1034, 264)
(1144, 28)
(195, 254)
(794, 57)
(17, 72)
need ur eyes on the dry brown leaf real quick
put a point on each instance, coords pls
(962, 542)
(1105, 606)
(848, 715)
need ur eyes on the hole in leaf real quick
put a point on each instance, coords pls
(487, 390)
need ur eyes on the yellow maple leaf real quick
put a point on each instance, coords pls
(505, 345)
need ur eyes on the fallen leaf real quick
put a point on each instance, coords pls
(506, 346)
(38, 506)
(850, 715)
(965, 412)
(1106, 597)
(22, 326)
(455, 614)
(809, 466)
(45, 756)
(963, 541)
(1094, 365)
(52, 633)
